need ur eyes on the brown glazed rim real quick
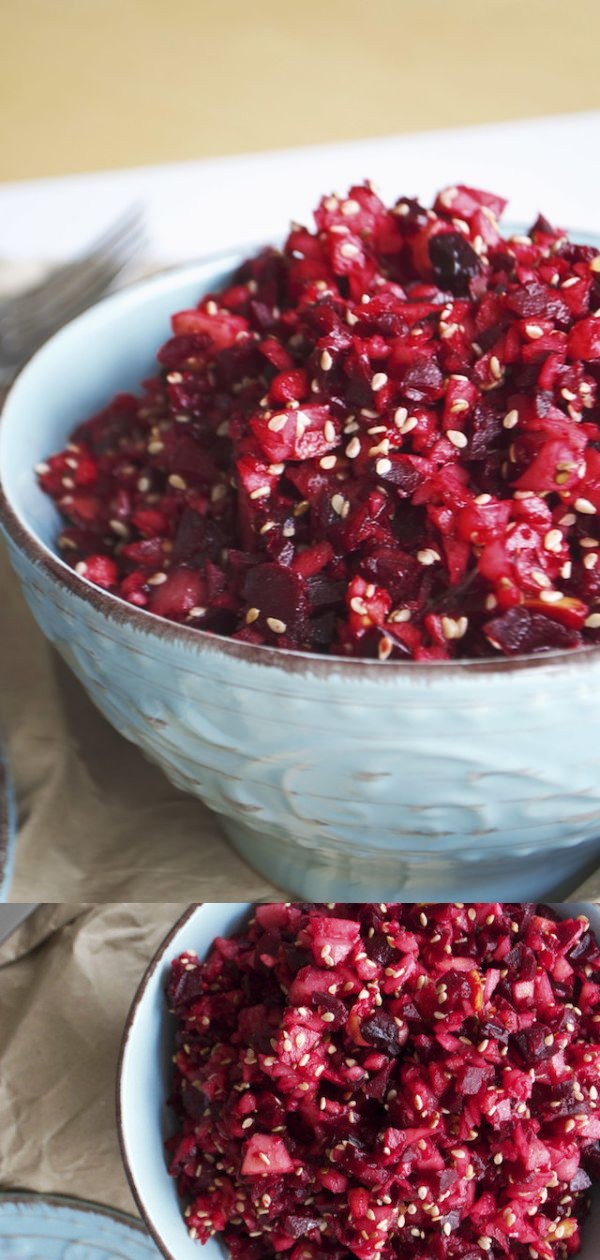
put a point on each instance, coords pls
(71, 1201)
(155, 962)
(121, 613)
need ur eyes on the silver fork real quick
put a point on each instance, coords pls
(28, 318)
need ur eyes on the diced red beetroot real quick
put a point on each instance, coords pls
(296, 435)
(266, 1156)
(176, 596)
(222, 328)
(333, 939)
(99, 569)
(584, 340)
(359, 1077)
(402, 401)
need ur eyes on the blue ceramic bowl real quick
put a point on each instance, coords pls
(145, 1077)
(333, 777)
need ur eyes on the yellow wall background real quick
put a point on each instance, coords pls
(87, 84)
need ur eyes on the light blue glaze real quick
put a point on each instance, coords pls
(145, 1080)
(146, 1075)
(36, 1228)
(336, 779)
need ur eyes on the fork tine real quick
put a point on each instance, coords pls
(69, 304)
(123, 236)
(52, 303)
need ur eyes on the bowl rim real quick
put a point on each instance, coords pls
(118, 611)
(565, 908)
(152, 967)
(70, 1203)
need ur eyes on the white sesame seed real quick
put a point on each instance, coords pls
(540, 578)
(277, 423)
(326, 361)
(277, 626)
(590, 560)
(328, 462)
(252, 615)
(511, 419)
(457, 438)
(154, 448)
(378, 381)
(358, 606)
(350, 207)
(400, 614)
(349, 250)
(260, 492)
(593, 621)
(457, 407)
(553, 540)
(534, 331)
(329, 431)
(409, 425)
(353, 448)
(177, 482)
(454, 629)
(595, 263)
(383, 466)
(495, 368)
(157, 579)
(400, 416)
(381, 448)
(427, 556)
(551, 597)
(338, 503)
(119, 529)
(584, 506)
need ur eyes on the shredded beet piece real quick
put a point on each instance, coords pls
(380, 442)
(389, 1082)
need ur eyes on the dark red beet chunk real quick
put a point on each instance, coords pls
(382, 442)
(389, 1082)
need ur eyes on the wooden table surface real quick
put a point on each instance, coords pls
(89, 84)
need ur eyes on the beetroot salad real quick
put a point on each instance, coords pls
(382, 442)
(389, 1082)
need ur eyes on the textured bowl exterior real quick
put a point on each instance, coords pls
(334, 778)
(144, 1083)
(52, 1227)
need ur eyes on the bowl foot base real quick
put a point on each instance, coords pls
(329, 873)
